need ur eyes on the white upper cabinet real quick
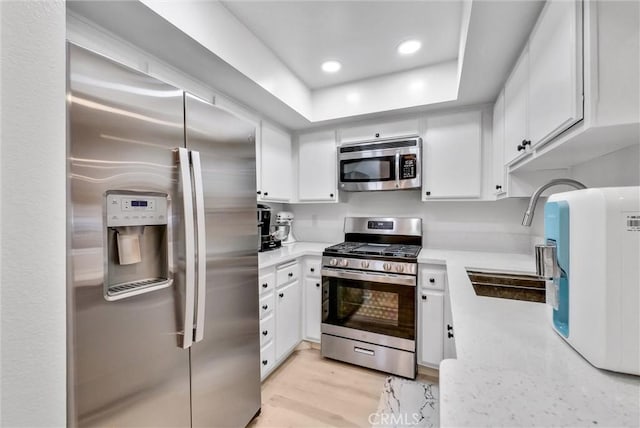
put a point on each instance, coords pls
(515, 109)
(317, 175)
(275, 165)
(555, 70)
(452, 156)
(497, 148)
(373, 131)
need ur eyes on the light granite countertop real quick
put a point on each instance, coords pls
(291, 251)
(512, 369)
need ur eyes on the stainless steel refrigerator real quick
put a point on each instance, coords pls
(162, 263)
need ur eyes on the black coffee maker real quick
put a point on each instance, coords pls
(266, 241)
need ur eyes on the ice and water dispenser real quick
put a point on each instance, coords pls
(137, 247)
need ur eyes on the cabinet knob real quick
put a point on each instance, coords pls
(265, 307)
(266, 193)
(432, 280)
(449, 335)
(428, 193)
(526, 142)
(424, 297)
(259, 192)
(377, 135)
(312, 269)
(449, 327)
(520, 147)
(317, 284)
(265, 285)
(265, 362)
(290, 274)
(265, 332)
(281, 295)
(331, 195)
(498, 187)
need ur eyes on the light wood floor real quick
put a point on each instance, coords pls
(311, 391)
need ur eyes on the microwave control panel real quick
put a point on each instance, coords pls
(408, 167)
(136, 209)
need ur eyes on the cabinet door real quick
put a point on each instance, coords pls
(515, 108)
(379, 130)
(312, 308)
(317, 160)
(555, 70)
(275, 164)
(431, 319)
(498, 185)
(288, 303)
(452, 165)
(449, 341)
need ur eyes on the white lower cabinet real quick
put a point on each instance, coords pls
(449, 346)
(312, 308)
(430, 329)
(288, 318)
(267, 359)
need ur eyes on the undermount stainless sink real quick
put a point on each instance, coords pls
(507, 285)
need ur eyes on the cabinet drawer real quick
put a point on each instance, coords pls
(432, 278)
(287, 273)
(312, 267)
(267, 282)
(267, 358)
(267, 327)
(267, 303)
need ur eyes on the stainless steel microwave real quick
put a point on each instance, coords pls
(390, 164)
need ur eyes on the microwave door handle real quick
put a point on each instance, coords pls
(189, 265)
(201, 253)
(398, 169)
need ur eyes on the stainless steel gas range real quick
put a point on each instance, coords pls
(369, 294)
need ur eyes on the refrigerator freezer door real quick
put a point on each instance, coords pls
(124, 364)
(225, 365)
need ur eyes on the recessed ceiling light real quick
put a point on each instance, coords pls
(331, 66)
(409, 46)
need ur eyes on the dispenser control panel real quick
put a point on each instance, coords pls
(136, 208)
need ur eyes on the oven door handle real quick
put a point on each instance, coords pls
(387, 278)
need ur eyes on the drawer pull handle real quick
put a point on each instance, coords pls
(265, 307)
(364, 351)
(265, 332)
(265, 362)
(265, 285)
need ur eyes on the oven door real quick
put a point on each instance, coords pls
(370, 307)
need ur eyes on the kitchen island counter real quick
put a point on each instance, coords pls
(512, 368)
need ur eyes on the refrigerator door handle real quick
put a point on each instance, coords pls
(202, 245)
(189, 266)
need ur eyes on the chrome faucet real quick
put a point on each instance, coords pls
(528, 215)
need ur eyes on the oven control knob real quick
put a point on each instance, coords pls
(400, 268)
(344, 262)
(387, 266)
(333, 262)
(364, 264)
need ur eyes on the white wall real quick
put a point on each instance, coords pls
(32, 221)
(487, 226)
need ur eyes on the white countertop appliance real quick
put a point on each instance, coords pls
(591, 264)
(283, 227)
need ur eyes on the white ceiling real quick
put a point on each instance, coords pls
(363, 36)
